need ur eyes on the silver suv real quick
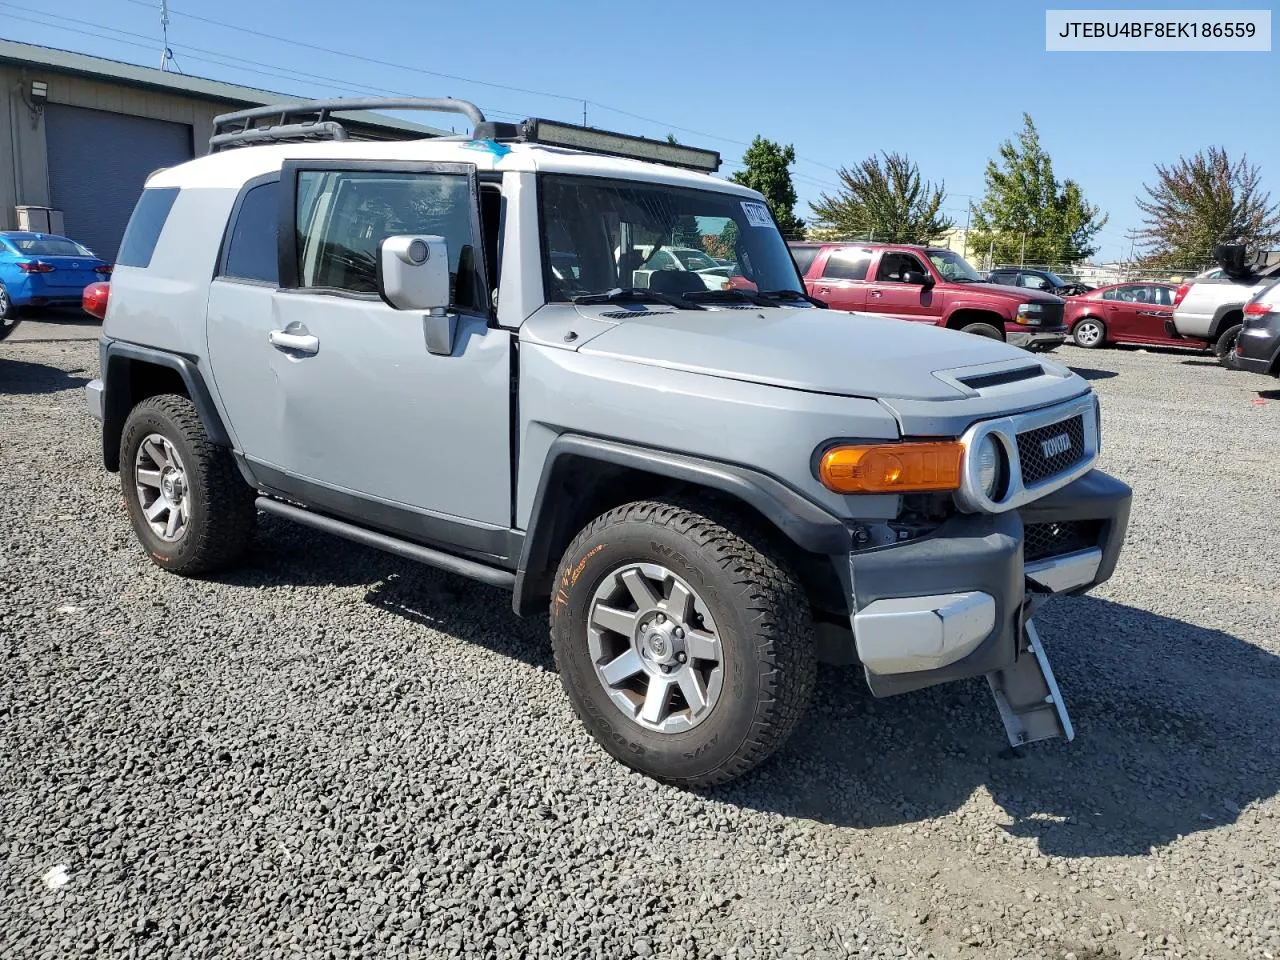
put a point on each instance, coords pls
(1210, 308)
(439, 348)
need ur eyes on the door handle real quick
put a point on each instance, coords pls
(875, 294)
(296, 342)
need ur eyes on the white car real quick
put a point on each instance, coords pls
(713, 274)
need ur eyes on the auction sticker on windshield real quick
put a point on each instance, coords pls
(757, 214)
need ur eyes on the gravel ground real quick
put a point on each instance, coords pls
(332, 753)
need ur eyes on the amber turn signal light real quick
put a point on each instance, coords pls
(892, 467)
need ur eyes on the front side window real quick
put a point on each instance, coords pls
(847, 264)
(1032, 281)
(615, 231)
(143, 232)
(253, 246)
(342, 216)
(894, 267)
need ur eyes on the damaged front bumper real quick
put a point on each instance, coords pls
(958, 603)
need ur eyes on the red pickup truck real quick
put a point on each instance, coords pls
(929, 285)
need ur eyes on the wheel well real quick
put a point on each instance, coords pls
(962, 318)
(583, 489)
(132, 381)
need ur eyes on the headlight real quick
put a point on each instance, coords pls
(989, 466)
(1030, 313)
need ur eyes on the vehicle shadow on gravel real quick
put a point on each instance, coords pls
(24, 377)
(1174, 734)
(288, 554)
(1269, 394)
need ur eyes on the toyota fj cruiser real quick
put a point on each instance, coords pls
(438, 348)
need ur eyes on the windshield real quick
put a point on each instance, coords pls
(954, 267)
(602, 234)
(1054, 279)
(48, 247)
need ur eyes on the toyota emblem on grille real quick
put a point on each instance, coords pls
(1055, 445)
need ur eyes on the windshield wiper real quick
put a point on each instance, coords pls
(791, 295)
(732, 293)
(635, 295)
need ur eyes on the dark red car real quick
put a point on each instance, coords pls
(928, 285)
(1136, 312)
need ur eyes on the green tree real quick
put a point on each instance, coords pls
(884, 200)
(768, 170)
(1202, 201)
(724, 244)
(1027, 214)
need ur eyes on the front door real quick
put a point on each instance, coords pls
(1136, 312)
(332, 393)
(892, 294)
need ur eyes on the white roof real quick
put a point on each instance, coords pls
(231, 168)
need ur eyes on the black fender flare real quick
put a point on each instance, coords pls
(116, 364)
(805, 523)
(1216, 327)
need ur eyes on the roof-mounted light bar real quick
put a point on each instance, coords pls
(555, 134)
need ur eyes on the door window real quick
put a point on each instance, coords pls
(252, 247)
(1032, 281)
(849, 264)
(344, 215)
(1163, 296)
(894, 267)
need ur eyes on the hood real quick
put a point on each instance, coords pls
(820, 351)
(1014, 294)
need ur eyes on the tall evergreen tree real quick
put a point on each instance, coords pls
(768, 170)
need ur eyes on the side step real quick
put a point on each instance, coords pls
(381, 541)
(1028, 697)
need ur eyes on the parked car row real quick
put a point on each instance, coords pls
(43, 270)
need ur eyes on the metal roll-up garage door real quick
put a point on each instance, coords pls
(98, 162)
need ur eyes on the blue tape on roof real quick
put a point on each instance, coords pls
(499, 150)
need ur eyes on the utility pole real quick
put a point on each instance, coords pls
(965, 245)
(164, 27)
(1022, 260)
(584, 113)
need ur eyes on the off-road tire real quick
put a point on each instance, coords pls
(222, 515)
(1085, 342)
(1225, 348)
(982, 330)
(764, 621)
(8, 313)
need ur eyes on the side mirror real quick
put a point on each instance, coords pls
(912, 276)
(413, 274)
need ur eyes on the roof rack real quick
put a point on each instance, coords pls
(313, 120)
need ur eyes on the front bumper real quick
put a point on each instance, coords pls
(1030, 339)
(952, 605)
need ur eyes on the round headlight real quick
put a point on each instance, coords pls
(989, 466)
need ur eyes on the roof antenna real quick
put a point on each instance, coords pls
(166, 55)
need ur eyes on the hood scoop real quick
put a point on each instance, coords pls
(996, 378)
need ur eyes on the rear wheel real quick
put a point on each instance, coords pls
(189, 506)
(684, 644)
(983, 330)
(8, 313)
(1089, 333)
(1225, 348)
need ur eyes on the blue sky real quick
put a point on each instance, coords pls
(943, 83)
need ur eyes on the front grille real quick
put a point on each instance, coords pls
(1051, 315)
(1047, 451)
(1054, 539)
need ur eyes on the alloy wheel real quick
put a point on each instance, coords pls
(160, 479)
(655, 647)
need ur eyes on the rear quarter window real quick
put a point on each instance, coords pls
(804, 257)
(143, 231)
(253, 242)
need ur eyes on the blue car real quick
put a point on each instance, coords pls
(43, 270)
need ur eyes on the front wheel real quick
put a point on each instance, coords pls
(1225, 348)
(683, 642)
(1089, 333)
(983, 330)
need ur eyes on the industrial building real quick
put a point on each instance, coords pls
(80, 134)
